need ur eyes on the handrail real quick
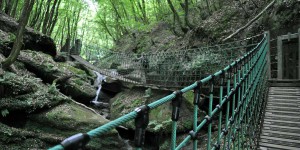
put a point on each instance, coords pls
(244, 99)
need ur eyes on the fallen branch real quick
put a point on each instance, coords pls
(250, 22)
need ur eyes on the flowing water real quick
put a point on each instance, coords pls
(99, 80)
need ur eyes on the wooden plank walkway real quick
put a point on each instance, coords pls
(281, 126)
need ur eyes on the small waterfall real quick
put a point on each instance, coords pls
(98, 82)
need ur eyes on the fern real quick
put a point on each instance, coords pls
(4, 112)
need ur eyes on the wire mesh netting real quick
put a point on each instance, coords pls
(176, 68)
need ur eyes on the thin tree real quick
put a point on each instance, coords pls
(186, 14)
(176, 16)
(1, 5)
(14, 9)
(28, 4)
(8, 6)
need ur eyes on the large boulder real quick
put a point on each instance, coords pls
(32, 40)
(27, 94)
(71, 81)
(74, 119)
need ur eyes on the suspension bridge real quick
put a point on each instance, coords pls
(254, 110)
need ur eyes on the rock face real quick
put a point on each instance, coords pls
(35, 111)
(37, 116)
(71, 81)
(32, 40)
(27, 94)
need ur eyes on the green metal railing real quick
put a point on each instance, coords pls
(241, 95)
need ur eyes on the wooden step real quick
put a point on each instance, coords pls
(284, 112)
(267, 146)
(270, 132)
(294, 122)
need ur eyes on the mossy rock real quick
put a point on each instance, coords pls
(43, 130)
(68, 67)
(27, 94)
(78, 86)
(14, 85)
(79, 90)
(160, 118)
(16, 138)
(73, 119)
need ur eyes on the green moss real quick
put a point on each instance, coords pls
(28, 94)
(71, 116)
(12, 37)
(65, 66)
(189, 99)
(78, 81)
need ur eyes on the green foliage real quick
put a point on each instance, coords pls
(4, 112)
(52, 88)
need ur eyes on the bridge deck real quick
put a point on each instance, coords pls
(281, 126)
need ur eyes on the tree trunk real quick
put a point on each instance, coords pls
(8, 6)
(37, 13)
(176, 16)
(28, 4)
(55, 18)
(133, 10)
(207, 5)
(50, 20)
(40, 19)
(142, 8)
(103, 22)
(115, 9)
(186, 15)
(124, 10)
(13, 13)
(1, 5)
(46, 18)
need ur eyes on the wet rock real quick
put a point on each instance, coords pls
(100, 105)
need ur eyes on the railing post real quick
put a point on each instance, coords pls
(225, 131)
(232, 118)
(238, 111)
(267, 35)
(176, 103)
(299, 54)
(209, 116)
(279, 58)
(141, 123)
(193, 133)
(222, 84)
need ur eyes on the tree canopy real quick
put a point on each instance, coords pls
(99, 23)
